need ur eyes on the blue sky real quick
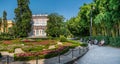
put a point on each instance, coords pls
(67, 8)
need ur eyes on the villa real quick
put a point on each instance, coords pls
(39, 23)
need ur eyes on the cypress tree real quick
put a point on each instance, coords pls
(23, 17)
(4, 21)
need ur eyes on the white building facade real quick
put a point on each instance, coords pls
(39, 25)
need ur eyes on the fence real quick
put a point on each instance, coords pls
(74, 54)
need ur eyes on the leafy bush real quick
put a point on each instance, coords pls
(16, 41)
(63, 39)
(74, 43)
(22, 58)
(39, 39)
(33, 49)
(6, 36)
(114, 41)
(106, 38)
(84, 44)
(10, 48)
(27, 40)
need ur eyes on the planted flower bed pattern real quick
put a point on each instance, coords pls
(33, 48)
(7, 42)
(46, 42)
(28, 40)
(44, 54)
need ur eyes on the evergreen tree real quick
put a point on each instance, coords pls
(4, 21)
(23, 17)
(0, 24)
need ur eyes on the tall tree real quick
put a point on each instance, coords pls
(23, 17)
(74, 26)
(55, 25)
(0, 23)
(4, 21)
(79, 25)
(114, 6)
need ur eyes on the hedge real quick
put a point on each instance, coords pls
(112, 41)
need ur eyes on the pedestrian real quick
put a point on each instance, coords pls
(102, 42)
(81, 40)
(90, 42)
(95, 41)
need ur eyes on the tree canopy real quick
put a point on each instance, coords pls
(55, 25)
(106, 19)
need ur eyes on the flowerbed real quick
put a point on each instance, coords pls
(46, 42)
(42, 54)
(7, 42)
(28, 40)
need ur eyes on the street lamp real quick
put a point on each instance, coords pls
(92, 8)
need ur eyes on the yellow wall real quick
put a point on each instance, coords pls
(9, 24)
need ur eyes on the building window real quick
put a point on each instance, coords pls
(43, 32)
(37, 32)
(40, 32)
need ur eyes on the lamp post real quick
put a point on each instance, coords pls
(92, 8)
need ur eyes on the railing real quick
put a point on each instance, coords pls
(81, 51)
(7, 59)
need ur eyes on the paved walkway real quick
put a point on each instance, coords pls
(101, 55)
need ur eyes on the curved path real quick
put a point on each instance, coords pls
(100, 55)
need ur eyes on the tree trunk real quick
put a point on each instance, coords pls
(112, 33)
(119, 28)
(116, 30)
(94, 31)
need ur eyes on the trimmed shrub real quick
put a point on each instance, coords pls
(6, 36)
(63, 39)
(33, 49)
(84, 44)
